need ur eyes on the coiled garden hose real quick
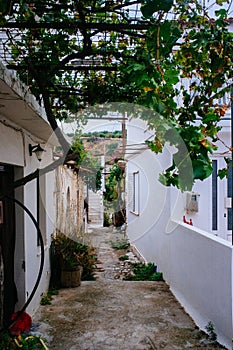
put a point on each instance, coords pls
(40, 239)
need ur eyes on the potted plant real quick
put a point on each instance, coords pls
(76, 260)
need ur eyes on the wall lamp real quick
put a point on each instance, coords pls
(37, 149)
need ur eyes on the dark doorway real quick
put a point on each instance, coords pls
(7, 242)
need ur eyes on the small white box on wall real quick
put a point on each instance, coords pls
(192, 200)
(227, 202)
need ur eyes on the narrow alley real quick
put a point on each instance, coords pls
(110, 313)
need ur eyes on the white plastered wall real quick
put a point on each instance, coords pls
(196, 264)
(14, 151)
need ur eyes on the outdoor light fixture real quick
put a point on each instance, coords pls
(37, 149)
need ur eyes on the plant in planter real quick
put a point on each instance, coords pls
(76, 260)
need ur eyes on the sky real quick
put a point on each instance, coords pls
(92, 125)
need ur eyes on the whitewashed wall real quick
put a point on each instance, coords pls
(32, 249)
(200, 275)
(198, 268)
(11, 145)
(14, 151)
(197, 265)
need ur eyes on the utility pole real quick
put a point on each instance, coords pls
(124, 134)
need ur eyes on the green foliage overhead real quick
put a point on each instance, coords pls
(186, 72)
(152, 6)
(5, 7)
(46, 57)
(174, 59)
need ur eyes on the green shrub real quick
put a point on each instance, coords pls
(211, 331)
(107, 220)
(46, 299)
(120, 244)
(123, 257)
(142, 272)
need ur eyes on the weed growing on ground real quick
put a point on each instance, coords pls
(120, 244)
(211, 332)
(46, 299)
(124, 257)
(142, 272)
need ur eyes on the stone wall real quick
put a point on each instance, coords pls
(69, 201)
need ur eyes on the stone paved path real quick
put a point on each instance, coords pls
(112, 314)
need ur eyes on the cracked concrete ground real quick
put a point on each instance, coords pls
(110, 313)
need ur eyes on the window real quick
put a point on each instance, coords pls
(229, 194)
(136, 193)
(215, 195)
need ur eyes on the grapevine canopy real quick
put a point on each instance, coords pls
(173, 57)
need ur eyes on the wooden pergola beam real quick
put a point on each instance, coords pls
(67, 68)
(76, 25)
